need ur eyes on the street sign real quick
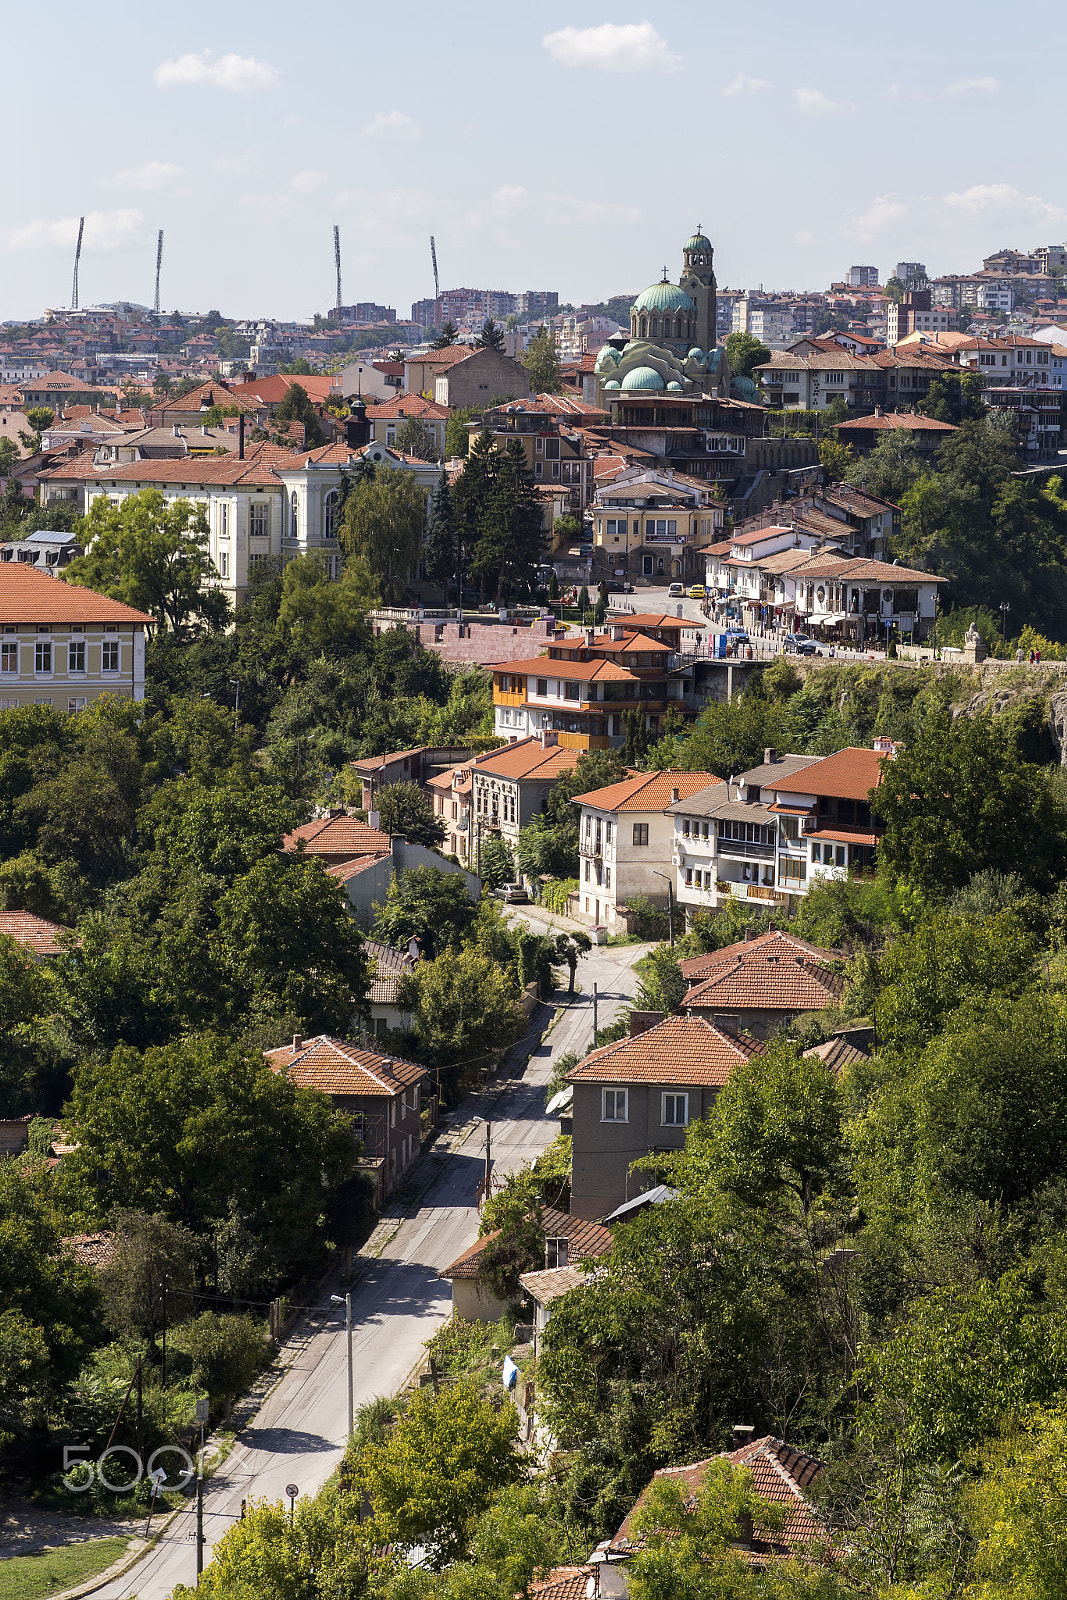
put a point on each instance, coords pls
(292, 1490)
(203, 1410)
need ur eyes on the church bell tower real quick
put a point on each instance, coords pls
(698, 281)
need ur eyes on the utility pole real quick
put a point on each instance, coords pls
(200, 1510)
(336, 1298)
(595, 998)
(140, 1413)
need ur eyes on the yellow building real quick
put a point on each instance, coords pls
(64, 646)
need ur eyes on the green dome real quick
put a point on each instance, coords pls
(696, 354)
(607, 358)
(674, 387)
(698, 242)
(744, 389)
(613, 383)
(643, 378)
(664, 297)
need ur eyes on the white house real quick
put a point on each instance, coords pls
(625, 842)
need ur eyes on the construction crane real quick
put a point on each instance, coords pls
(159, 263)
(337, 261)
(436, 281)
(77, 258)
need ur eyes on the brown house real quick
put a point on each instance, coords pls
(336, 839)
(382, 1095)
(638, 1096)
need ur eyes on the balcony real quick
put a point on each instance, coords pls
(746, 850)
(509, 697)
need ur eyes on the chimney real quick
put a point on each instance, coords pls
(298, 1042)
(750, 934)
(641, 1021)
(549, 738)
(241, 437)
(770, 755)
(176, 430)
(743, 1432)
(772, 927)
(618, 631)
(590, 635)
(675, 797)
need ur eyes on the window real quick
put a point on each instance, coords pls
(8, 703)
(792, 870)
(75, 703)
(392, 1113)
(571, 691)
(675, 1113)
(224, 522)
(109, 655)
(542, 688)
(640, 833)
(76, 655)
(330, 515)
(9, 655)
(557, 1253)
(613, 1105)
(42, 661)
(257, 525)
(224, 563)
(43, 700)
(607, 832)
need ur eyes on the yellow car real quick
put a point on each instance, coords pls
(698, 592)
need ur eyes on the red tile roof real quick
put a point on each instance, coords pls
(342, 837)
(774, 941)
(648, 791)
(345, 871)
(896, 420)
(566, 1583)
(765, 980)
(34, 932)
(658, 619)
(676, 1050)
(780, 1473)
(336, 1067)
(849, 775)
(214, 393)
(91, 1249)
(584, 1238)
(548, 667)
(408, 405)
(29, 595)
(528, 759)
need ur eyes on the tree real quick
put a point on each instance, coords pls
(320, 613)
(202, 1133)
(549, 843)
(40, 418)
(416, 439)
(457, 430)
(895, 288)
(1017, 1509)
(745, 353)
(448, 336)
(891, 468)
(290, 947)
(441, 1467)
(496, 864)
(569, 949)
(510, 539)
(958, 800)
(8, 457)
(429, 904)
(954, 397)
(383, 527)
(403, 810)
(688, 1544)
(295, 406)
(513, 1215)
(663, 987)
(151, 1255)
(491, 337)
(442, 551)
(321, 1547)
(836, 460)
(463, 1008)
(152, 554)
(541, 360)
(227, 1353)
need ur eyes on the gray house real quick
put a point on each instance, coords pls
(638, 1096)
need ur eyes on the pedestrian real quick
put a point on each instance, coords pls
(1037, 657)
(1030, 657)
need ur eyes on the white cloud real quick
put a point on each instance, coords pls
(973, 85)
(150, 175)
(743, 84)
(507, 197)
(612, 47)
(392, 125)
(1003, 200)
(813, 103)
(236, 74)
(104, 230)
(308, 181)
(885, 213)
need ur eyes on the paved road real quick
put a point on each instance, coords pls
(299, 1432)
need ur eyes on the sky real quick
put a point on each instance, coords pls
(561, 146)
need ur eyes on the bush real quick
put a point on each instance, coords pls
(554, 894)
(227, 1353)
(644, 919)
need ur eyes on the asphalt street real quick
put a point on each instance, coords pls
(299, 1432)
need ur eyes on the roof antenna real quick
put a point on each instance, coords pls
(77, 258)
(337, 263)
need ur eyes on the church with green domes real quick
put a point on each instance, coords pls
(672, 346)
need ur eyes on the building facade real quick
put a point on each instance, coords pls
(65, 646)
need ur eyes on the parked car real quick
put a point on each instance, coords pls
(698, 592)
(676, 591)
(736, 635)
(512, 894)
(798, 644)
(615, 587)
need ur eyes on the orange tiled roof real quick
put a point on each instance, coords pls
(34, 932)
(336, 1067)
(584, 1238)
(408, 405)
(849, 775)
(338, 836)
(27, 595)
(765, 980)
(676, 1050)
(780, 1473)
(345, 871)
(648, 791)
(566, 1583)
(786, 945)
(528, 759)
(446, 357)
(549, 667)
(655, 619)
(897, 420)
(91, 1249)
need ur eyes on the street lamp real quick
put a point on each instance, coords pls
(346, 1301)
(236, 702)
(1003, 608)
(670, 901)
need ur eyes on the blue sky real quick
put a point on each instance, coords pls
(567, 146)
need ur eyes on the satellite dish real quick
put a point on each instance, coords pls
(590, 1587)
